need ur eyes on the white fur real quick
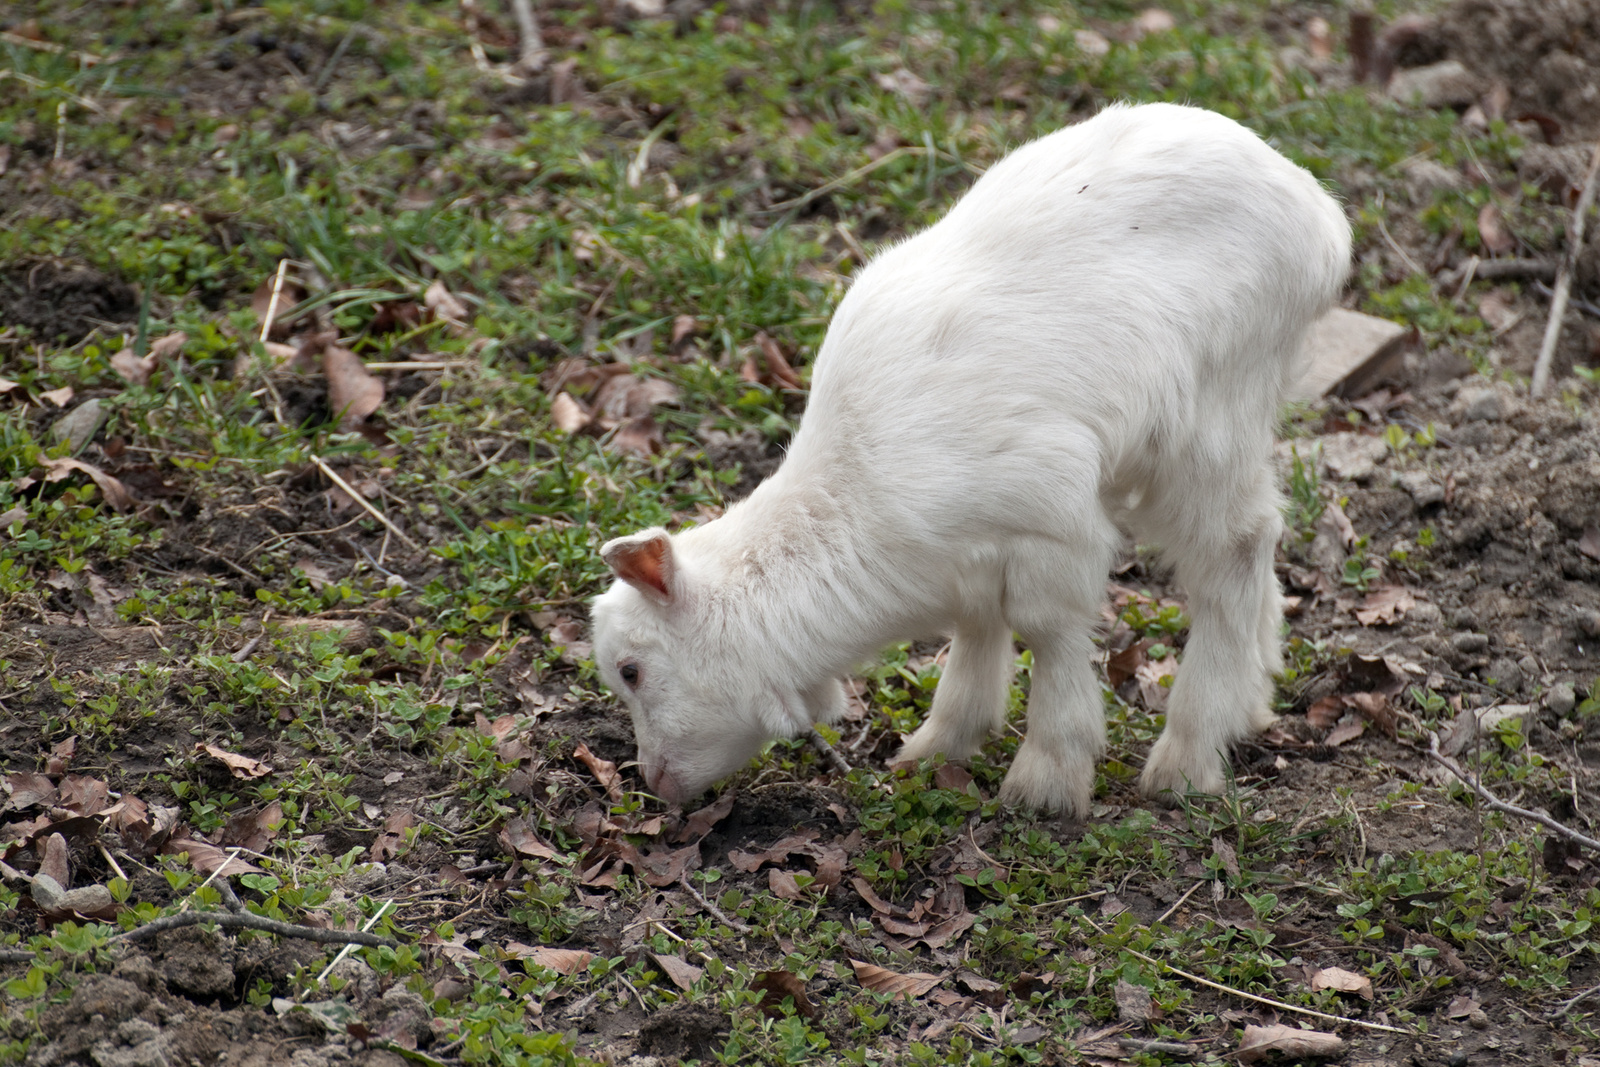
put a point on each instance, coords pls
(1094, 340)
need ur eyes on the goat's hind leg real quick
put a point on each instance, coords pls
(970, 702)
(1223, 558)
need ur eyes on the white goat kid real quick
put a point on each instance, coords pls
(1095, 339)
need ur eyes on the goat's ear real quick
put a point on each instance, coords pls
(644, 561)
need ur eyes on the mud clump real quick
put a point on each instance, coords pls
(63, 302)
(1546, 51)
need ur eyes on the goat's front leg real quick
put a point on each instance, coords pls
(1054, 769)
(970, 702)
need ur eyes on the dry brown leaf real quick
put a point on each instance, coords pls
(239, 766)
(1325, 712)
(134, 370)
(682, 973)
(289, 295)
(1385, 605)
(779, 373)
(700, 823)
(776, 986)
(208, 858)
(623, 397)
(568, 413)
(1150, 675)
(564, 961)
(1342, 981)
(605, 771)
(84, 796)
(1287, 1041)
(952, 776)
(353, 393)
(61, 754)
(29, 788)
(1348, 729)
(661, 867)
(1492, 230)
(782, 884)
(519, 837)
(253, 831)
(1497, 308)
(881, 980)
(116, 494)
(683, 327)
(1462, 1006)
(60, 397)
(1376, 709)
(445, 304)
(642, 437)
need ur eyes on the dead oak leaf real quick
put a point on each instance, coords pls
(1385, 605)
(682, 973)
(208, 858)
(701, 822)
(1493, 232)
(891, 983)
(605, 772)
(568, 413)
(778, 986)
(116, 494)
(518, 837)
(564, 961)
(445, 304)
(1288, 1041)
(1342, 981)
(239, 766)
(353, 393)
(29, 789)
(1348, 729)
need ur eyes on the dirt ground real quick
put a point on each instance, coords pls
(1478, 530)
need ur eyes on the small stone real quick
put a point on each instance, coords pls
(79, 425)
(1352, 457)
(1469, 642)
(1466, 619)
(1479, 405)
(1446, 84)
(1561, 698)
(1423, 489)
(1425, 616)
(1427, 176)
(1506, 674)
(1589, 623)
(1478, 1020)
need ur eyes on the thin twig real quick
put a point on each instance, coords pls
(1496, 804)
(1569, 261)
(1168, 913)
(845, 179)
(1279, 1004)
(829, 753)
(715, 911)
(367, 926)
(1170, 1048)
(266, 328)
(333, 476)
(1572, 1002)
(532, 55)
(252, 921)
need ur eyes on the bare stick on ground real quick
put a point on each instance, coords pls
(532, 57)
(711, 909)
(251, 921)
(1496, 804)
(829, 753)
(333, 476)
(1569, 261)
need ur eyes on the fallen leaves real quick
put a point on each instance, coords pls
(564, 961)
(239, 766)
(620, 403)
(115, 493)
(780, 986)
(353, 393)
(892, 983)
(604, 771)
(1342, 981)
(1385, 605)
(1288, 1041)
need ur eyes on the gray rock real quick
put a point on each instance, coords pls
(1420, 484)
(1561, 698)
(1469, 642)
(1479, 405)
(1446, 84)
(1426, 176)
(1425, 616)
(79, 425)
(1352, 457)
(1506, 673)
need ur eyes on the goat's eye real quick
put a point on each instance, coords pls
(630, 674)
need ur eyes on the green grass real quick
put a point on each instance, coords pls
(728, 172)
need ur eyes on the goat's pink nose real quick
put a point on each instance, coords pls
(663, 784)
